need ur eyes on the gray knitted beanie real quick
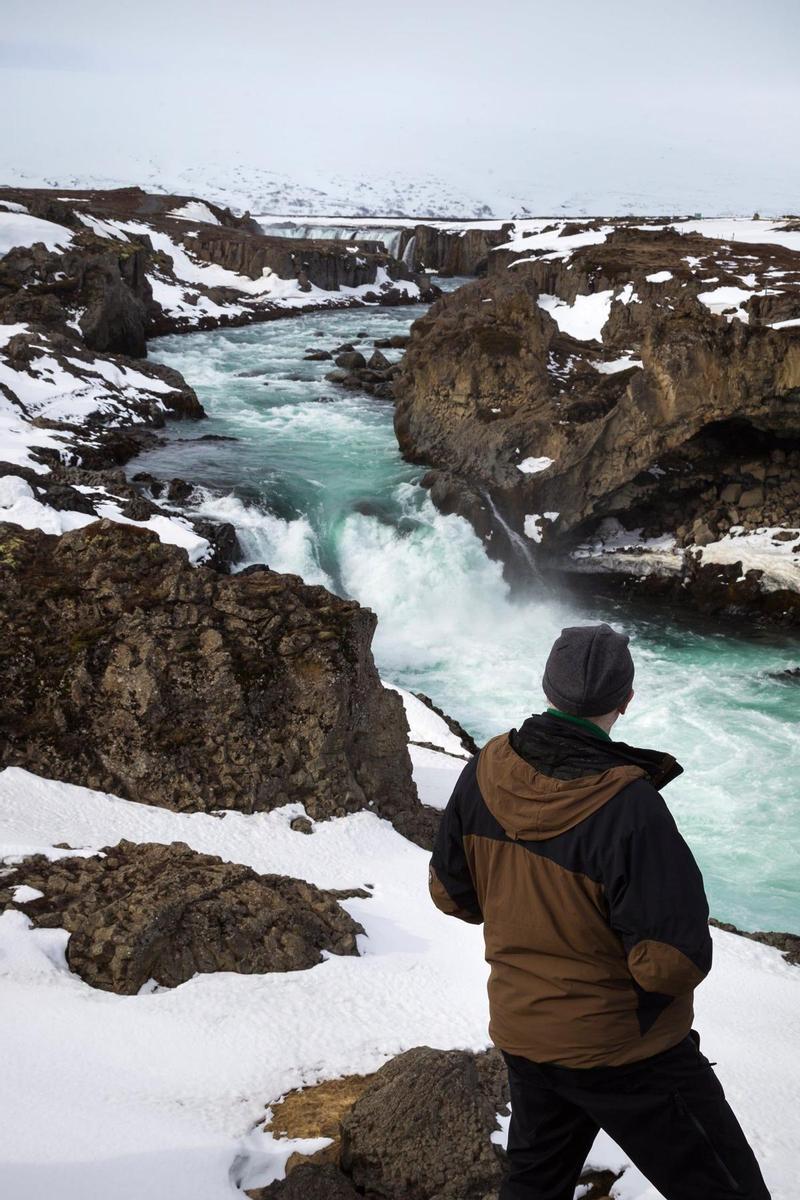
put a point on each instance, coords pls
(589, 671)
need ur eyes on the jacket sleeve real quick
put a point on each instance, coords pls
(657, 903)
(449, 880)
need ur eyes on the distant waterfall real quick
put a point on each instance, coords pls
(391, 237)
(408, 253)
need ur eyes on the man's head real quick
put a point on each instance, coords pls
(589, 673)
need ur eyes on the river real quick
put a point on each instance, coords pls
(315, 485)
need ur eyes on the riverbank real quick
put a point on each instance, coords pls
(625, 395)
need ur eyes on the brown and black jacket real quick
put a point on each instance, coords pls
(595, 919)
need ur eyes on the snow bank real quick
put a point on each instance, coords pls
(159, 1094)
(759, 550)
(194, 210)
(769, 550)
(19, 228)
(584, 319)
(19, 506)
(435, 771)
(529, 239)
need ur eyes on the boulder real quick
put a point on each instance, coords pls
(128, 670)
(351, 360)
(378, 361)
(142, 912)
(422, 1128)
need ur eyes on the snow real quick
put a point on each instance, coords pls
(210, 275)
(615, 548)
(738, 229)
(435, 771)
(19, 506)
(47, 390)
(10, 206)
(427, 726)
(617, 364)
(628, 295)
(531, 466)
(718, 299)
(793, 323)
(17, 436)
(659, 277)
(758, 550)
(172, 531)
(533, 524)
(105, 229)
(529, 239)
(584, 319)
(194, 210)
(21, 229)
(162, 1094)
(23, 894)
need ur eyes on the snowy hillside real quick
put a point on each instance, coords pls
(477, 195)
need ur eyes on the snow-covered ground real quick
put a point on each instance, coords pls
(164, 1094)
(770, 550)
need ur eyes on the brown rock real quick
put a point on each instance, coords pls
(752, 498)
(174, 685)
(158, 912)
(378, 361)
(351, 360)
(421, 1130)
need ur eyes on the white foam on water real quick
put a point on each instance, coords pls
(287, 546)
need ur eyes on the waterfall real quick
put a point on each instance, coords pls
(408, 253)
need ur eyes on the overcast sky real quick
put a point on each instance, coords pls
(581, 97)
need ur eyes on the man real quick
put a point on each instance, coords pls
(595, 921)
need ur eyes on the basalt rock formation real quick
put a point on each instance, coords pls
(420, 1128)
(632, 386)
(138, 913)
(128, 670)
(456, 251)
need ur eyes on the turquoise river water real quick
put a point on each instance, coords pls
(318, 488)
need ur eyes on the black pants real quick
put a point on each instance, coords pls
(667, 1113)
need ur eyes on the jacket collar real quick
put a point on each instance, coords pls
(564, 750)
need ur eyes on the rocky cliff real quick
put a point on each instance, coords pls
(123, 265)
(128, 670)
(452, 251)
(639, 394)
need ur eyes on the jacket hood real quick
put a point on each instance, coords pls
(550, 775)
